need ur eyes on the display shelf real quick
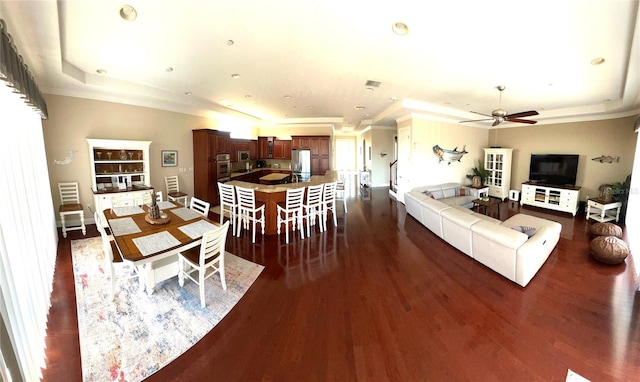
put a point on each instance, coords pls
(118, 167)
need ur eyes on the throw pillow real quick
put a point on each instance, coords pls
(462, 191)
(529, 231)
(429, 194)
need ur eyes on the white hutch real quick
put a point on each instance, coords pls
(118, 167)
(498, 162)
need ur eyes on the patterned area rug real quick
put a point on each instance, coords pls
(136, 334)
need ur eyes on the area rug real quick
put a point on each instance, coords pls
(136, 334)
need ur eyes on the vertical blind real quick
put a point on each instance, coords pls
(28, 234)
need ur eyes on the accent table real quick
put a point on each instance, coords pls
(489, 203)
(604, 210)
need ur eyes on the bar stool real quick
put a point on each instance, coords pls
(249, 210)
(70, 205)
(329, 204)
(291, 211)
(313, 207)
(228, 203)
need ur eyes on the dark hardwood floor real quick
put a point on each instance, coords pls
(382, 298)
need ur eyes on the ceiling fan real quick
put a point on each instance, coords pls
(500, 115)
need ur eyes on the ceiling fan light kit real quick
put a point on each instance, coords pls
(500, 115)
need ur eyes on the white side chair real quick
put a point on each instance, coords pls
(313, 207)
(173, 191)
(228, 205)
(341, 191)
(200, 206)
(329, 204)
(291, 212)
(206, 259)
(111, 255)
(70, 205)
(249, 211)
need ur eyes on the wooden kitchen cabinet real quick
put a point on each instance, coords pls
(265, 147)
(320, 146)
(206, 145)
(282, 149)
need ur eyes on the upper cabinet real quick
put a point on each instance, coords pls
(118, 164)
(273, 148)
(320, 146)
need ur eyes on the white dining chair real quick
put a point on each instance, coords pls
(329, 204)
(206, 259)
(341, 191)
(250, 211)
(228, 204)
(290, 212)
(200, 206)
(313, 207)
(173, 191)
(70, 205)
(113, 261)
(159, 197)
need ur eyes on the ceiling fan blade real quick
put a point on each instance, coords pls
(477, 120)
(486, 115)
(522, 121)
(521, 114)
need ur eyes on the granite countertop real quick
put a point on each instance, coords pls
(329, 176)
(245, 172)
(274, 176)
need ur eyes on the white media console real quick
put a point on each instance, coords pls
(558, 198)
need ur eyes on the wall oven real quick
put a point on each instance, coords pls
(223, 167)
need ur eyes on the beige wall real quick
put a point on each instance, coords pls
(73, 120)
(381, 142)
(613, 137)
(426, 168)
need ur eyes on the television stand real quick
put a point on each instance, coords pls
(558, 198)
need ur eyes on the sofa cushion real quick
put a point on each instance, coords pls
(456, 229)
(459, 200)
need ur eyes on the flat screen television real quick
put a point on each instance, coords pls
(554, 169)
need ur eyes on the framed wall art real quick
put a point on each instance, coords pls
(169, 158)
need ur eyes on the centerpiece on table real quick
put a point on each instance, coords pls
(155, 216)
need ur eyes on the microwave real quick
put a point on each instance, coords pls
(243, 155)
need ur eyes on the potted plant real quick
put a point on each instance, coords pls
(620, 191)
(480, 172)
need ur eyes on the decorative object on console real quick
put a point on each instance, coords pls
(449, 155)
(606, 159)
(479, 176)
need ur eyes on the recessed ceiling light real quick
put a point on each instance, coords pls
(169, 69)
(309, 107)
(447, 103)
(287, 97)
(188, 93)
(369, 89)
(101, 71)
(597, 61)
(128, 13)
(235, 75)
(230, 42)
(401, 29)
(247, 96)
(359, 107)
(393, 99)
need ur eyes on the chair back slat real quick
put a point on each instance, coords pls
(314, 194)
(172, 184)
(294, 198)
(69, 193)
(227, 194)
(213, 244)
(200, 206)
(246, 197)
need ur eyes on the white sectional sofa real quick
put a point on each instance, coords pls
(495, 244)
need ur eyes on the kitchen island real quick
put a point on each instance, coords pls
(272, 194)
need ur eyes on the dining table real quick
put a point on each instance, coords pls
(152, 245)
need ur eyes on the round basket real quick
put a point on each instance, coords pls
(163, 219)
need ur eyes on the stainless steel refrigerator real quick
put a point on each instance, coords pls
(301, 164)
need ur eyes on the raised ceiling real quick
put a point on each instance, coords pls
(308, 61)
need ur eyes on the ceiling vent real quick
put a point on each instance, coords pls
(372, 84)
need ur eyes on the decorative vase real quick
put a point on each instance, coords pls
(476, 181)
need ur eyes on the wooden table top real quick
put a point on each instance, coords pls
(131, 252)
(486, 203)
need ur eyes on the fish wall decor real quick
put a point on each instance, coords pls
(606, 159)
(449, 155)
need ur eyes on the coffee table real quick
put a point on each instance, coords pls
(486, 205)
